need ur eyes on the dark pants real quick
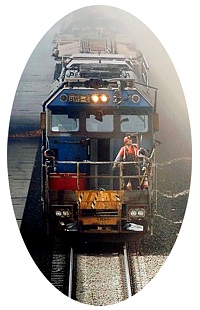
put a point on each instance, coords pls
(130, 170)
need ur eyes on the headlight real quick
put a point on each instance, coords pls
(132, 213)
(99, 98)
(66, 213)
(141, 213)
(95, 98)
(58, 213)
(136, 213)
(104, 98)
(63, 213)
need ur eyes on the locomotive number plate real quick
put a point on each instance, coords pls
(78, 98)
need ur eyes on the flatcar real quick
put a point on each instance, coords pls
(100, 96)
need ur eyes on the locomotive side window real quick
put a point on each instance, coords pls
(134, 123)
(62, 122)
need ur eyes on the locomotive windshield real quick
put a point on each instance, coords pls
(99, 123)
(134, 123)
(62, 122)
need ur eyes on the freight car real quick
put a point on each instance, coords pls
(99, 97)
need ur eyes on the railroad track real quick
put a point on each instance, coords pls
(60, 266)
(96, 274)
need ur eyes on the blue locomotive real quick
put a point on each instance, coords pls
(99, 97)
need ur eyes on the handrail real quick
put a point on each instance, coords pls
(96, 162)
(121, 177)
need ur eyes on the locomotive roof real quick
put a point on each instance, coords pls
(91, 58)
(96, 61)
(99, 55)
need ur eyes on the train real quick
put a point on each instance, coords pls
(99, 96)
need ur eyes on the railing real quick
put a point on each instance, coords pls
(142, 173)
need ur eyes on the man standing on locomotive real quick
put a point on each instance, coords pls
(128, 153)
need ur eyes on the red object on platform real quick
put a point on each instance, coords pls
(66, 181)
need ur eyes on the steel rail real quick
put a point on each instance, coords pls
(127, 273)
(71, 260)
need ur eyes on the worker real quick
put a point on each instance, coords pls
(128, 153)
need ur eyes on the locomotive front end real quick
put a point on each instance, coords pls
(84, 121)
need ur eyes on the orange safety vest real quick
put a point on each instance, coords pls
(128, 153)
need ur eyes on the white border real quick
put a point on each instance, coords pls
(176, 24)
